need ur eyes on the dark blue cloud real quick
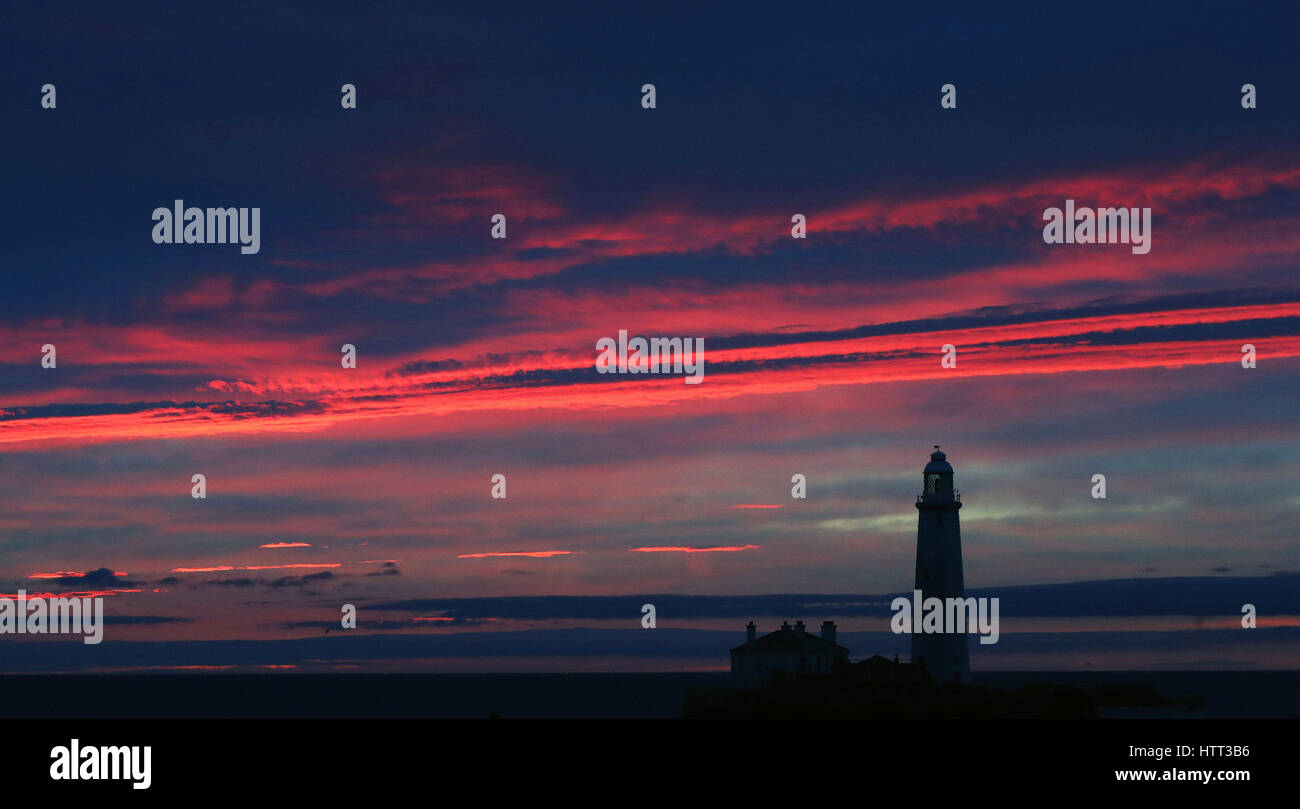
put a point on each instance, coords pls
(763, 108)
(1278, 594)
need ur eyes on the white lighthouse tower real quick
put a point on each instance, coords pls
(938, 570)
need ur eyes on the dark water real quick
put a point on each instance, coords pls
(1225, 694)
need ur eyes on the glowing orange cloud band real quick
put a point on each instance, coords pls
(63, 574)
(687, 549)
(534, 554)
(223, 568)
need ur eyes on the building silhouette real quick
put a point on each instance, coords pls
(945, 656)
(791, 650)
(937, 657)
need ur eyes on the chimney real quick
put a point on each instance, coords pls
(798, 627)
(828, 631)
(750, 632)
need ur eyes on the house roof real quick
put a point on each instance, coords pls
(787, 640)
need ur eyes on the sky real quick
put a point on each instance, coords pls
(476, 356)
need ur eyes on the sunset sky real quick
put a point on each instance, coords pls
(475, 356)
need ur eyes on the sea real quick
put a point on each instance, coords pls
(1200, 694)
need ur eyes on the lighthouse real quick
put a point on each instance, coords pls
(938, 570)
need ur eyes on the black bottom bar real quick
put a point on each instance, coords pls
(618, 759)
